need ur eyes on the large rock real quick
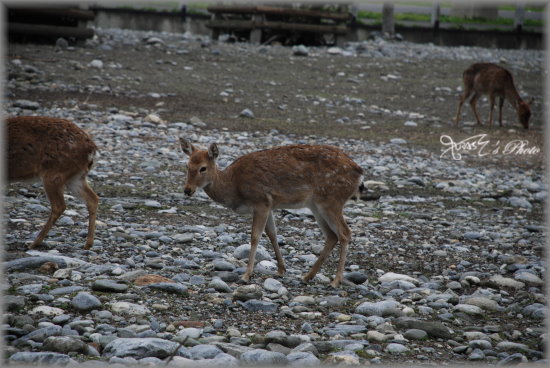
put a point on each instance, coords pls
(247, 292)
(482, 302)
(259, 306)
(45, 310)
(130, 309)
(433, 329)
(233, 349)
(85, 301)
(204, 351)
(260, 357)
(382, 308)
(41, 334)
(139, 348)
(110, 286)
(505, 282)
(65, 345)
(391, 276)
(242, 252)
(303, 359)
(41, 358)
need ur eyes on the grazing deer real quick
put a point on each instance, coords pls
(495, 81)
(321, 178)
(60, 154)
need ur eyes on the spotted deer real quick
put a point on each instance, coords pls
(495, 81)
(321, 178)
(60, 154)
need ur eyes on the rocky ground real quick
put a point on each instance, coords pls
(446, 264)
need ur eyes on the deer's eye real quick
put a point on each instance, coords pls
(202, 169)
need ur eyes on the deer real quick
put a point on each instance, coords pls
(319, 177)
(60, 154)
(495, 81)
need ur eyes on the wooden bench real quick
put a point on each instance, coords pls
(40, 22)
(261, 19)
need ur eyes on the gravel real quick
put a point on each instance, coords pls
(445, 266)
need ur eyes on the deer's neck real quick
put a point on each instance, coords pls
(219, 189)
(513, 96)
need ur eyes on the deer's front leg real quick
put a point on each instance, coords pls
(260, 214)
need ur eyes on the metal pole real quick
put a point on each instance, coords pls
(519, 17)
(436, 12)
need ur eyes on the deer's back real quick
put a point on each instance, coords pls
(488, 78)
(292, 174)
(37, 145)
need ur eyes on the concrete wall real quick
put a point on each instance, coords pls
(139, 21)
(176, 23)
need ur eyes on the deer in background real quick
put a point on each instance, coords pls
(60, 154)
(495, 81)
(321, 178)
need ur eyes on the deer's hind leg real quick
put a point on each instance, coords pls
(461, 101)
(491, 108)
(500, 104)
(331, 238)
(473, 105)
(54, 187)
(468, 83)
(80, 187)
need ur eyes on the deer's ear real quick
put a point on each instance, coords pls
(213, 151)
(187, 147)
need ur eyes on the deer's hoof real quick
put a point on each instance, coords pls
(244, 279)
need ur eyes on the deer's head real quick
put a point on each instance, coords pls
(201, 168)
(524, 113)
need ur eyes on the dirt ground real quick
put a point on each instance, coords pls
(282, 91)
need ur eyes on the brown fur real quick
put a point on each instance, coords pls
(321, 178)
(494, 81)
(57, 152)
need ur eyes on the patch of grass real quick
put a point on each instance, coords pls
(363, 354)
(414, 17)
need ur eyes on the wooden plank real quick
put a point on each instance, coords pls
(49, 31)
(77, 14)
(299, 27)
(268, 10)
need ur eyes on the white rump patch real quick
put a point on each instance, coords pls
(75, 184)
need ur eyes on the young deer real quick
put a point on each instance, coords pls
(321, 178)
(495, 81)
(60, 154)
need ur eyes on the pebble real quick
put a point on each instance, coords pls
(247, 113)
(109, 286)
(394, 348)
(300, 50)
(85, 301)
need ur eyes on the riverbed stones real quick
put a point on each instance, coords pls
(431, 238)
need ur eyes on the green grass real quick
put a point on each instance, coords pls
(447, 19)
